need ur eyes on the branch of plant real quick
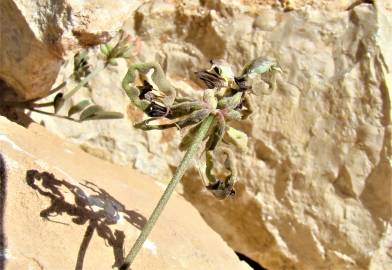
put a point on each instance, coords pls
(189, 155)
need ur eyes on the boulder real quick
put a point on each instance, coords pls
(36, 37)
(315, 187)
(61, 208)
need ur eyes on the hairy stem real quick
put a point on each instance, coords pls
(84, 81)
(190, 153)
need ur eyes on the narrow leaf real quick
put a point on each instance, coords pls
(89, 112)
(78, 107)
(58, 102)
(105, 49)
(101, 115)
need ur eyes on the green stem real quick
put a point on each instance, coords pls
(83, 82)
(53, 114)
(190, 153)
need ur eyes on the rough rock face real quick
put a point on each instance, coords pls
(315, 188)
(35, 35)
(64, 209)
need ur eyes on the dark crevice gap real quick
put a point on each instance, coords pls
(255, 265)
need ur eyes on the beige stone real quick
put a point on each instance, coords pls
(64, 209)
(315, 187)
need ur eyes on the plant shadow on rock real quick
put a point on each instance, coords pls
(107, 211)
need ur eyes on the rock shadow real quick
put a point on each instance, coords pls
(3, 191)
(91, 205)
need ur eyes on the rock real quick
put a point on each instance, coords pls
(37, 35)
(54, 197)
(319, 166)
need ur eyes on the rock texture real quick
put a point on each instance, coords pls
(315, 189)
(64, 209)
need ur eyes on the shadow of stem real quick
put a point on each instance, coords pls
(86, 204)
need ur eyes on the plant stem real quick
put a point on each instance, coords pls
(190, 153)
(53, 114)
(83, 82)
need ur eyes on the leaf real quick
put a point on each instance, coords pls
(89, 112)
(187, 139)
(58, 102)
(101, 115)
(78, 107)
(113, 62)
(105, 49)
(95, 112)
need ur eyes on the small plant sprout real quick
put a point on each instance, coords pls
(225, 99)
(122, 46)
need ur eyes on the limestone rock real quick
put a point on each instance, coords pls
(64, 209)
(315, 188)
(36, 35)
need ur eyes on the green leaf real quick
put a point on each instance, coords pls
(105, 49)
(95, 112)
(113, 62)
(187, 139)
(78, 107)
(89, 112)
(102, 115)
(58, 102)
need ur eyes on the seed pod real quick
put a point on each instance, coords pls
(259, 66)
(221, 189)
(187, 139)
(184, 108)
(216, 136)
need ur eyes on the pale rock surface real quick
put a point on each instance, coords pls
(83, 213)
(315, 187)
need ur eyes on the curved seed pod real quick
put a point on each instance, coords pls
(230, 102)
(221, 189)
(217, 134)
(187, 139)
(163, 84)
(159, 79)
(260, 65)
(184, 108)
(193, 118)
(132, 91)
